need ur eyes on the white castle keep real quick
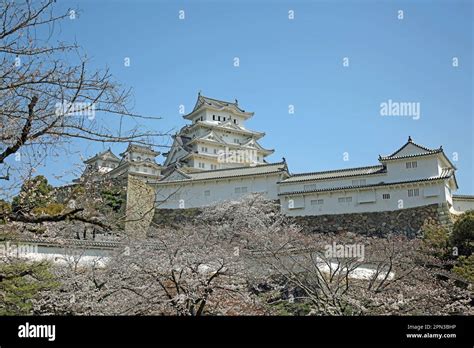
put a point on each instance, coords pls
(216, 158)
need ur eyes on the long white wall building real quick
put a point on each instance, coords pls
(410, 177)
(217, 158)
(190, 190)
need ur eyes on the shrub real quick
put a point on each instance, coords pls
(50, 209)
(113, 198)
(5, 210)
(78, 191)
(463, 234)
(436, 238)
(465, 268)
(20, 283)
(35, 192)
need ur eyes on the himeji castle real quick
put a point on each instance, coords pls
(216, 139)
(216, 158)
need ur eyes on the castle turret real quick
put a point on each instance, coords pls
(216, 138)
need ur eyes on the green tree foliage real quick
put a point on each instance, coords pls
(34, 193)
(50, 209)
(20, 283)
(463, 234)
(465, 268)
(5, 210)
(436, 238)
(113, 198)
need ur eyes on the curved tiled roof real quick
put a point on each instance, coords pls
(335, 174)
(71, 242)
(410, 141)
(102, 154)
(215, 103)
(233, 172)
(430, 152)
(350, 187)
(466, 197)
(141, 149)
(426, 151)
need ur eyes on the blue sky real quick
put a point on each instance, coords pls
(297, 62)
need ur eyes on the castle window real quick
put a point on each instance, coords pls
(236, 141)
(224, 118)
(235, 121)
(218, 118)
(317, 201)
(201, 165)
(240, 189)
(213, 117)
(413, 192)
(413, 164)
(386, 196)
(139, 158)
(344, 199)
(213, 166)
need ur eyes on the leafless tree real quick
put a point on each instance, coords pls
(233, 254)
(48, 96)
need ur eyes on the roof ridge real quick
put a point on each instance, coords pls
(463, 196)
(219, 100)
(429, 152)
(410, 141)
(176, 169)
(338, 170)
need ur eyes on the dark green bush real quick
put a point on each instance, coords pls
(463, 234)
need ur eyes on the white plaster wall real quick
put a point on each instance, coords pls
(463, 205)
(426, 167)
(225, 114)
(193, 195)
(398, 198)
